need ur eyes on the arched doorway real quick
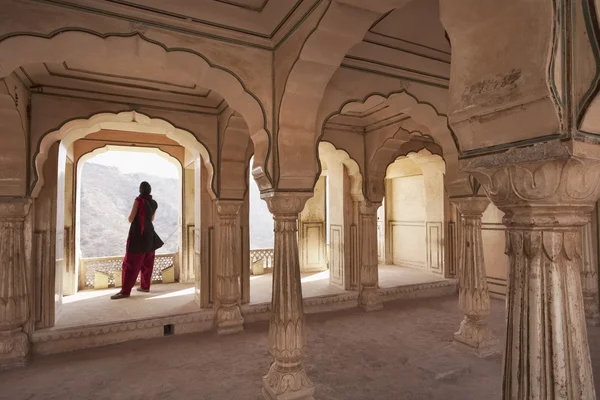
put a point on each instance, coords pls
(132, 128)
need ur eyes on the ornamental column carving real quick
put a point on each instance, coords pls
(473, 295)
(286, 378)
(547, 199)
(228, 316)
(14, 305)
(589, 276)
(369, 297)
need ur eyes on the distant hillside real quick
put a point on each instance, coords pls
(107, 196)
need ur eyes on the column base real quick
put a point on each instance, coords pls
(14, 349)
(370, 300)
(474, 335)
(229, 320)
(284, 382)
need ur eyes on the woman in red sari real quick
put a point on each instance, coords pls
(142, 242)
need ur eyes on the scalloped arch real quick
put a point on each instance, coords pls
(130, 121)
(356, 178)
(22, 49)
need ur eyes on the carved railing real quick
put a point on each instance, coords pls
(109, 265)
(262, 254)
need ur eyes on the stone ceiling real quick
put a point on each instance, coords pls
(408, 43)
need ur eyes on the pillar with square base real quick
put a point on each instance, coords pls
(547, 193)
(286, 379)
(228, 317)
(369, 297)
(14, 301)
(474, 333)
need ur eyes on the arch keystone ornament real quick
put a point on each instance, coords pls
(473, 294)
(228, 316)
(286, 379)
(14, 303)
(547, 192)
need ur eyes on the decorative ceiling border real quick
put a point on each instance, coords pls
(42, 88)
(180, 17)
(130, 78)
(129, 85)
(131, 105)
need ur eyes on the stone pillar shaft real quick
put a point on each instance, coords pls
(14, 303)
(473, 295)
(228, 316)
(369, 297)
(286, 378)
(546, 203)
(589, 276)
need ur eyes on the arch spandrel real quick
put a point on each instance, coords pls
(234, 149)
(343, 25)
(19, 50)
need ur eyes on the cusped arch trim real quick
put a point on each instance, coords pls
(354, 171)
(398, 146)
(72, 43)
(374, 185)
(130, 121)
(426, 113)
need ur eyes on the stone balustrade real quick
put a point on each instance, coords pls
(108, 265)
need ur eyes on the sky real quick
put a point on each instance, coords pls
(134, 162)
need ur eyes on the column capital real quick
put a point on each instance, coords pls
(291, 203)
(14, 207)
(471, 206)
(369, 207)
(550, 181)
(228, 207)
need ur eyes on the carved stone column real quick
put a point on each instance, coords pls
(286, 378)
(473, 295)
(547, 195)
(589, 276)
(14, 305)
(369, 297)
(228, 316)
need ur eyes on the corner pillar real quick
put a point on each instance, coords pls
(473, 296)
(369, 297)
(228, 316)
(547, 194)
(14, 302)
(286, 379)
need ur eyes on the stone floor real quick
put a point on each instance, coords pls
(403, 352)
(94, 306)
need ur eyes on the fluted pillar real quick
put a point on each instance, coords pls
(473, 295)
(546, 202)
(14, 305)
(286, 379)
(589, 276)
(369, 297)
(228, 316)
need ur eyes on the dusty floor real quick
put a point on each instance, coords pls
(399, 353)
(94, 306)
